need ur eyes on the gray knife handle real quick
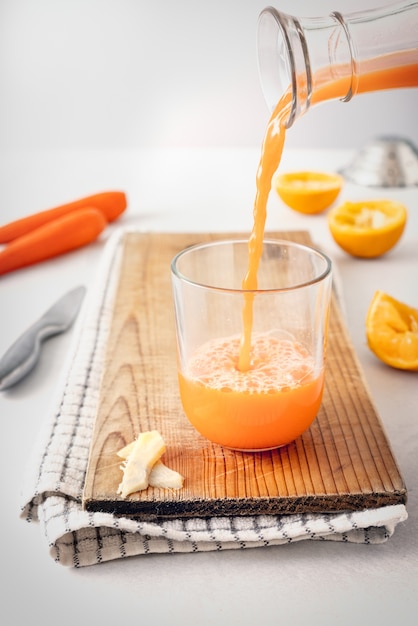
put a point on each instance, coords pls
(22, 356)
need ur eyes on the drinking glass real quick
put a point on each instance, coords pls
(251, 363)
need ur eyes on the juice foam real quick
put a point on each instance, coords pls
(266, 406)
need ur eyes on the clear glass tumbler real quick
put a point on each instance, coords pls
(275, 399)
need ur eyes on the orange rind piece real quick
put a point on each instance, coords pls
(367, 229)
(307, 191)
(392, 331)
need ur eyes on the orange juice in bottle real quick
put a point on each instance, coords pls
(316, 59)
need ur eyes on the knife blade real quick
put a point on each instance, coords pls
(24, 353)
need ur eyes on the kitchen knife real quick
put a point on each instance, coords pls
(24, 353)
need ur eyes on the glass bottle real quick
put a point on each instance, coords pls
(315, 59)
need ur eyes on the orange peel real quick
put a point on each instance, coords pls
(392, 331)
(369, 228)
(307, 191)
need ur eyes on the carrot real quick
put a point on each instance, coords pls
(111, 203)
(58, 236)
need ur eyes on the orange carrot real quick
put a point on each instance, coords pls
(58, 236)
(111, 203)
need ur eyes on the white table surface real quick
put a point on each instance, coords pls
(303, 583)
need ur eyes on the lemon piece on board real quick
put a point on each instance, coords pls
(392, 331)
(308, 192)
(367, 229)
(159, 475)
(164, 477)
(146, 451)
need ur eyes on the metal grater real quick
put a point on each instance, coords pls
(384, 162)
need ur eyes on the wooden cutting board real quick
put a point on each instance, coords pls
(343, 462)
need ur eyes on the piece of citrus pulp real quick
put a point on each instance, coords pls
(308, 192)
(369, 228)
(392, 331)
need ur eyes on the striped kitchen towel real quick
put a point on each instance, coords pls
(54, 479)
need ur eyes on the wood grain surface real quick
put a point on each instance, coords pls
(342, 462)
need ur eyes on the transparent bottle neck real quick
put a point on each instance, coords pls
(311, 60)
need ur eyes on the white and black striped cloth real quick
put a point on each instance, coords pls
(52, 490)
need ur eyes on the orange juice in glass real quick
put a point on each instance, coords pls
(251, 361)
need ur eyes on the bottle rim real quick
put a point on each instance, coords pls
(276, 59)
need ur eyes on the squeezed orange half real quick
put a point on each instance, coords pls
(392, 331)
(308, 192)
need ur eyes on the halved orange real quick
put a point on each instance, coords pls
(308, 192)
(369, 228)
(392, 331)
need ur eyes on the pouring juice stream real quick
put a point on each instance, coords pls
(271, 153)
(325, 89)
(241, 391)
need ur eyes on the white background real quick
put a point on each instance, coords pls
(128, 74)
(162, 100)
